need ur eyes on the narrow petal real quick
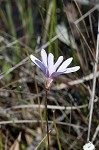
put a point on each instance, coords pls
(68, 70)
(50, 63)
(56, 74)
(44, 57)
(64, 65)
(72, 69)
(39, 64)
(58, 62)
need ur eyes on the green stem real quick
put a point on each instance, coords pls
(57, 136)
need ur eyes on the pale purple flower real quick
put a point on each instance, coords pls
(51, 69)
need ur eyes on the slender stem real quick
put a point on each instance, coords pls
(94, 85)
(46, 101)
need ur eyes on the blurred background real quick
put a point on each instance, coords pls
(62, 27)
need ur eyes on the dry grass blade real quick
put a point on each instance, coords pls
(15, 146)
(85, 15)
(42, 141)
(47, 22)
(75, 82)
(95, 134)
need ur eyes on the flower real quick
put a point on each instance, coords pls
(51, 69)
(88, 146)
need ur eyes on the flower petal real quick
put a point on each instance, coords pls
(72, 69)
(44, 57)
(39, 64)
(55, 74)
(68, 70)
(50, 63)
(58, 62)
(64, 65)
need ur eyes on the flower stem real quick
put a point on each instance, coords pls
(46, 101)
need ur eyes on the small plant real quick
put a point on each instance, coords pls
(52, 71)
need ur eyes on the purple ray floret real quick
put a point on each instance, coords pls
(50, 69)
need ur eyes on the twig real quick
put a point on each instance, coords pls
(53, 107)
(95, 134)
(38, 121)
(94, 84)
(87, 2)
